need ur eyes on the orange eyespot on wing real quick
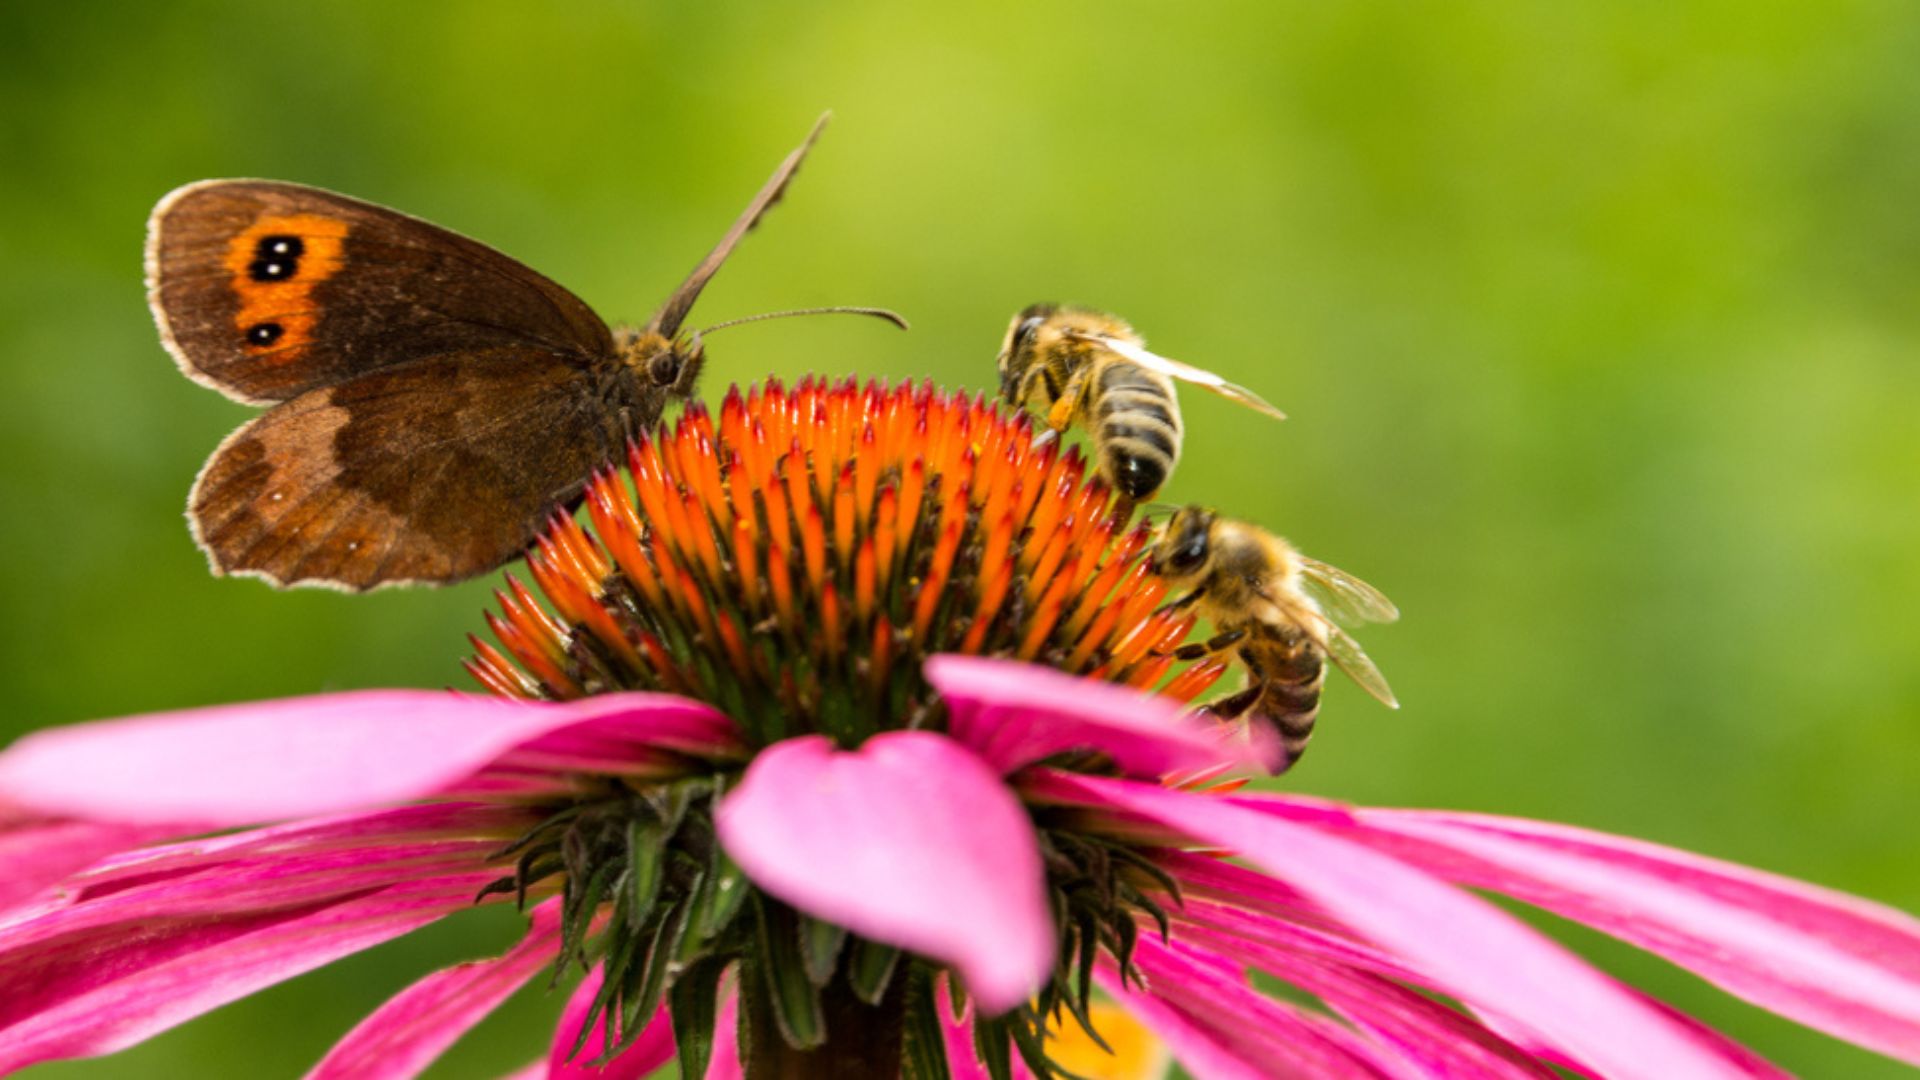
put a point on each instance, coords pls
(274, 265)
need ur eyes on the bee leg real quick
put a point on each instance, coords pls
(1037, 379)
(1216, 643)
(1061, 415)
(1230, 707)
(1188, 600)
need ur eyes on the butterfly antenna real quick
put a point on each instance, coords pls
(893, 317)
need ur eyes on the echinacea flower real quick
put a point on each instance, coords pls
(749, 782)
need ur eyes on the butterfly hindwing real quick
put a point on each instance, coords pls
(413, 472)
(265, 290)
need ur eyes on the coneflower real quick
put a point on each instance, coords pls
(747, 779)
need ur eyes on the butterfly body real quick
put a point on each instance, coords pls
(431, 400)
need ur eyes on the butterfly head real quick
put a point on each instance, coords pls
(670, 365)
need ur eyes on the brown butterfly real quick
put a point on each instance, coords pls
(432, 399)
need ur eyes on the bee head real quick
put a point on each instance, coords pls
(1186, 546)
(1016, 352)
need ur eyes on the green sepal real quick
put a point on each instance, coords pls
(644, 998)
(820, 945)
(870, 969)
(924, 1053)
(795, 1000)
(729, 891)
(693, 1002)
(613, 969)
(992, 1046)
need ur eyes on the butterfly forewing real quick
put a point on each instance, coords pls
(265, 290)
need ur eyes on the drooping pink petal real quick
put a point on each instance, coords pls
(956, 1035)
(911, 840)
(35, 852)
(401, 1038)
(1431, 1038)
(100, 906)
(244, 764)
(66, 1001)
(1465, 946)
(1237, 902)
(651, 1050)
(1220, 1027)
(445, 831)
(1013, 714)
(1829, 960)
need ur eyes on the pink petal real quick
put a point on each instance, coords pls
(456, 832)
(910, 841)
(65, 1000)
(956, 1035)
(1220, 1028)
(37, 852)
(1465, 946)
(1013, 714)
(651, 1050)
(1829, 960)
(1431, 1038)
(97, 909)
(241, 764)
(408, 1033)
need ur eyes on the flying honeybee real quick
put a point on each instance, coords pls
(1089, 368)
(1279, 611)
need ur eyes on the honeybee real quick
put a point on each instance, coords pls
(1090, 368)
(1279, 611)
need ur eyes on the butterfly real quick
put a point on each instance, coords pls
(431, 399)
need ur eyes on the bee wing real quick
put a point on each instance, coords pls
(1350, 658)
(1186, 373)
(1346, 599)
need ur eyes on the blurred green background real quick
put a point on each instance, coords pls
(1597, 324)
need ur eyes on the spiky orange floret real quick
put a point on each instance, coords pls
(794, 563)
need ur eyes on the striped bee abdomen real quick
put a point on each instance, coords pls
(1136, 424)
(1286, 671)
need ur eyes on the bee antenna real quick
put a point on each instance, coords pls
(893, 317)
(1153, 509)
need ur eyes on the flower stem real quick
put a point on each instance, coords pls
(862, 1040)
